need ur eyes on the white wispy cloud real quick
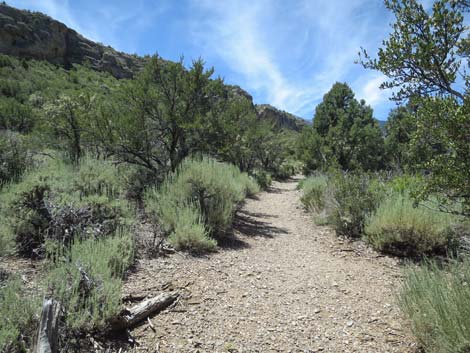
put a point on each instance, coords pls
(371, 92)
(250, 37)
(285, 53)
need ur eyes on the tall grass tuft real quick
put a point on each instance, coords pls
(399, 228)
(437, 302)
(201, 196)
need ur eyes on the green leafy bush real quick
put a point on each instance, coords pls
(16, 116)
(199, 186)
(399, 228)
(87, 278)
(18, 310)
(437, 302)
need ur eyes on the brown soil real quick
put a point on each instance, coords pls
(282, 284)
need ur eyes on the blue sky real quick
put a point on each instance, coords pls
(287, 53)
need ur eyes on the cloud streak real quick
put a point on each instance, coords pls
(285, 53)
(291, 60)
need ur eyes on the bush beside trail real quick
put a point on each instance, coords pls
(382, 212)
(196, 204)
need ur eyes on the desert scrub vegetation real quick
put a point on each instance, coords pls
(86, 278)
(263, 179)
(401, 228)
(13, 157)
(19, 310)
(436, 299)
(315, 194)
(381, 211)
(196, 203)
(58, 201)
(342, 200)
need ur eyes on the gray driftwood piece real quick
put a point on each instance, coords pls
(48, 332)
(133, 316)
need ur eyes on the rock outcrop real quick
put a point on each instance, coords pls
(281, 119)
(37, 36)
(33, 35)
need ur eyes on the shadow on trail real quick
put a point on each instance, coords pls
(274, 190)
(247, 224)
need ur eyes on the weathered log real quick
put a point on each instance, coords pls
(48, 332)
(131, 317)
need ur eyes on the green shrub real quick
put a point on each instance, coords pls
(18, 312)
(16, 116)
(437, 302)
(58, 201)
(99, 177)
(405, 184)
(399, 228)
(87, 278)
(13, 157)
(263, 179)
(190, 232)
(354, 197)
(213, 188)
(313, 193)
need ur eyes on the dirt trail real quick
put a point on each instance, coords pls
(283, 285)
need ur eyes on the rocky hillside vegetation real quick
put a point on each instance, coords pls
(33, 35)
(279, 118)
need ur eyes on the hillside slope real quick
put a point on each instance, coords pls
(34, 35)
(280, 118)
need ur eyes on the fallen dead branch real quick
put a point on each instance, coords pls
(131, 317)
(47, 338)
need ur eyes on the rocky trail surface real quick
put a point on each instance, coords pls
(282, 284)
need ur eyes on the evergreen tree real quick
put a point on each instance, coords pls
(344, 134)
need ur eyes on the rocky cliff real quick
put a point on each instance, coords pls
(280, 118)
(37, 36)
(33, 35)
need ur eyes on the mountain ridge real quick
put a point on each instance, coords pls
(34, 35)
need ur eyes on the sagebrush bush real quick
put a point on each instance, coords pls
(190, 232)
(313, 192)
(58, 201)
(213, 188)
(18, 312)
(437, 302)
(99, 177)
(399, 228)
(354, 197)
(86, 278)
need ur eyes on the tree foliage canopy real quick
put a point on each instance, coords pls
(344, 134)
(425, 58)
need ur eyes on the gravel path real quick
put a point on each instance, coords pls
(283, 285)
